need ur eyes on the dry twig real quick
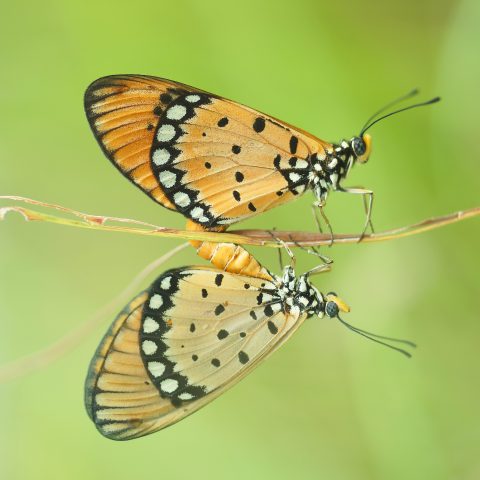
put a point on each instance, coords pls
(244, 237)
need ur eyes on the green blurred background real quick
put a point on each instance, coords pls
(329, 404)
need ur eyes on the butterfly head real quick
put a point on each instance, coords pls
(306, 298)
(334, 305)
(361, 147)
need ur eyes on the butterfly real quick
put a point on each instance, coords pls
(213, 160)
(195, 332)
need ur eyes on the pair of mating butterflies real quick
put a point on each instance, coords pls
(196, 331)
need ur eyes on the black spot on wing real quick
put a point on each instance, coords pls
(272, 327)
(243, 357)
(293, 144)
(222, 334)
(259, 124)
(268, 310)
(276, 161)
(165, 98)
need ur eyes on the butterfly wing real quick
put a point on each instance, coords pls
(194, 334)
(123, 112)
(213, 160)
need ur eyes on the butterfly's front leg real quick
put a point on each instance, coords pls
(367, 196)
(322, 268)
(228, 257)
(279, 250)
(285, 247)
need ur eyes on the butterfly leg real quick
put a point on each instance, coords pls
(279, 250)
(367, 196)
(280, 258)
(318, 206)
(312, 251)
(367, 206)
(286, 248)
(228, 256)
(314, 207)
(322, 268)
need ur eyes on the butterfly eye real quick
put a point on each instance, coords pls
(331, 309)
(358, 146)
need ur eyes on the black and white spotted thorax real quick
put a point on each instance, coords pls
(328, 168)
(323, 171)
(298, 295)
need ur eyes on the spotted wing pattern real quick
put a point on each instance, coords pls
(123, 112)
(212, 159)
(194, 334)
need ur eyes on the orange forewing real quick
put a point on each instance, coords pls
(123, 113)
(226, 163)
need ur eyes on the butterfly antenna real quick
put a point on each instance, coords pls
(410, 94)
(375, 338)
(421, 104)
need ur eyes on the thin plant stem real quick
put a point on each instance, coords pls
(243, 237)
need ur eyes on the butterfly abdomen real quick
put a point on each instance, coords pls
(228, 256)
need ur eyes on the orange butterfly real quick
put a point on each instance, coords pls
(215, 161)
(194, 333)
